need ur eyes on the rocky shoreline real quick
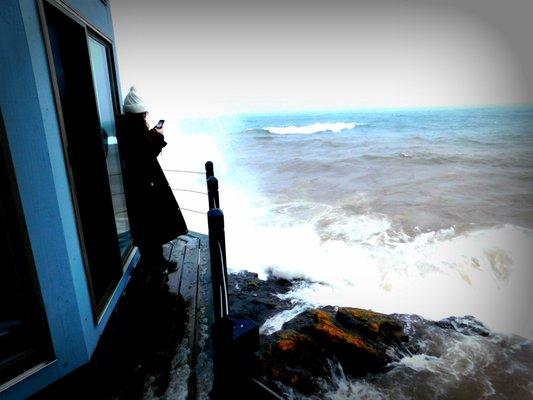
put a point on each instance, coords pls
(299, 356)
(396, 353)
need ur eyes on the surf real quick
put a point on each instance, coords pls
(310, 129)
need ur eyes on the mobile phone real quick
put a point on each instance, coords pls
(160, 124)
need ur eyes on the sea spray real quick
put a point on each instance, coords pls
(450, 364)
(443, 231)
(408, 212)
(436, 274)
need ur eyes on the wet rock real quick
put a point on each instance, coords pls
(467, 325)
(360, 340)
(256, 299)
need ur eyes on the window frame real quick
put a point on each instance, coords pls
(98, 308)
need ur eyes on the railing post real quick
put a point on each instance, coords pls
(223, 326)
(219, 274)
(212, 192)
(235, 341)
(209, 169)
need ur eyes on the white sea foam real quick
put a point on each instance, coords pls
(365, 260)
(275, 323)
(312, 128)
(420, 362)
(459, 365)
(365, 263)
(356, 257)
(189, 152)
(361, 390)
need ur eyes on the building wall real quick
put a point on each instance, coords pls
(30, 118)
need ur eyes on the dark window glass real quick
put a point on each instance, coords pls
(106, 111)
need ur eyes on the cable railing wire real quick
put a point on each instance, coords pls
(190, 191)
(227, 360)
(181, 208)
(194, 211)
(184, 171)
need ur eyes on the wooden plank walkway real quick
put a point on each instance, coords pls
(158, 344)
(193, 366)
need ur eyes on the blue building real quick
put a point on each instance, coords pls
(66, 250)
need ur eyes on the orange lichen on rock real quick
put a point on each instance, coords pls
(325, 324)
(359, 340)
(290, 339)
(373, 319)
(380, 324)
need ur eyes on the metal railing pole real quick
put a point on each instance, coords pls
(209, 169)
(212, 192)
(219, 273)
(223, 326)
(234, 341)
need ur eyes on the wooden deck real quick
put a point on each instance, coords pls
(158, 343)
(192, 282)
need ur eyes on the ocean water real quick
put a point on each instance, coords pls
(422, 212)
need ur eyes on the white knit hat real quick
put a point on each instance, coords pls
(133, 103)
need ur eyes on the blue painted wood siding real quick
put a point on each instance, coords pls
(28, 107)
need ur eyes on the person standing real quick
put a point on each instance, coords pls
(155, 217)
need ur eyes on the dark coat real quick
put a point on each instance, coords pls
(154, 214)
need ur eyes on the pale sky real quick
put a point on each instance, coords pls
(216, 57)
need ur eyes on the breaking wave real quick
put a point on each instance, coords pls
(312, 128)
(369, 261)
(424, 213)
(449, 364)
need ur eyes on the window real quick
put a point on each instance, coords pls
(99, 53)
(86, 102)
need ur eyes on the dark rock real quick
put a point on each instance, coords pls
(283, 282)
(467, 325)
(358, 339)
(300, 354)
(372, 325)
(256, 299)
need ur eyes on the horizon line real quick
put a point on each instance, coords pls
(362, 109)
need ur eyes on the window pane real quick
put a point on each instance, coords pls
(106, 111)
